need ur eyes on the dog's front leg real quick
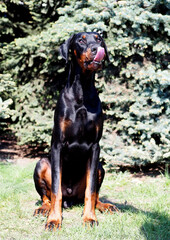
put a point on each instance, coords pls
(55, 216)
(89, 216)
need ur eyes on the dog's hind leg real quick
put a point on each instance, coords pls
(42, 180)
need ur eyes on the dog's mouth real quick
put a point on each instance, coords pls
(97, 61)
(99, 55)
(93, 61)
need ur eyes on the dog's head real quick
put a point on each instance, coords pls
(89, 50)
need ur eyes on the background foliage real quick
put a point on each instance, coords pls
(134, 88)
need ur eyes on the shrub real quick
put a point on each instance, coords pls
(134, 88)
(7, 86)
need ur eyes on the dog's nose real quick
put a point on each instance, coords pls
(94, 50)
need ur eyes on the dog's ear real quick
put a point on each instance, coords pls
(107, 55)
(64, 48)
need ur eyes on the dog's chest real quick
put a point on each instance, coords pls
(85, 122)
(82, 115)
(81, 126)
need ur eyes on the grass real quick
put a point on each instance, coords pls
(143, 203)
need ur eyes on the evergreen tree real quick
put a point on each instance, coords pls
(134, 87)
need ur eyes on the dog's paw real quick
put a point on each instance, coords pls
(53, 225)
(106, 207)
(44, 210)
(90, 222)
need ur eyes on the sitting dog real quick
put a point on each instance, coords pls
(73, 173)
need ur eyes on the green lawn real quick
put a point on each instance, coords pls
(144, 205)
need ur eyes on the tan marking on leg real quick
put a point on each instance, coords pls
(55, 217)
(89, 216)
(45, 182)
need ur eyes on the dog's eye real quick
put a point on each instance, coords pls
(81, 41)
(97, 38)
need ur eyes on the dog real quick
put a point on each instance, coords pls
(73, 173)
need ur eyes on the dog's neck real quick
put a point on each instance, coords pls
(76, 75)
(81, 85)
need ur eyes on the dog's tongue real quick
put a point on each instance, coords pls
(100, 54)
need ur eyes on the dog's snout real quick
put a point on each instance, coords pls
(94, 50)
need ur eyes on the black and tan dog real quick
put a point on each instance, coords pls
(74, 173)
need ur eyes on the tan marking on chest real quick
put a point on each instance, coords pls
(64, 124)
